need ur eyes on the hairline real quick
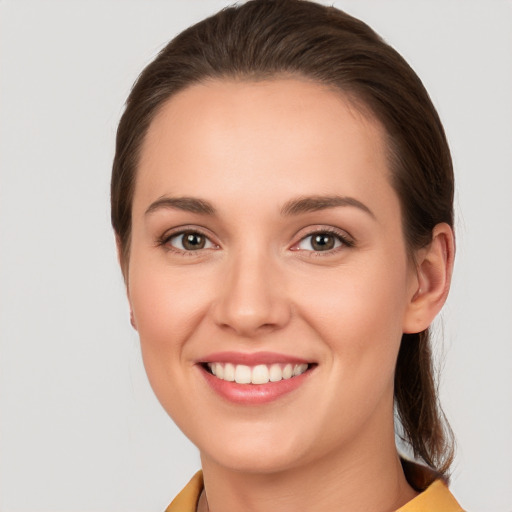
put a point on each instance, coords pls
(355, 101)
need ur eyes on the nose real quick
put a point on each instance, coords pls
(252, 298)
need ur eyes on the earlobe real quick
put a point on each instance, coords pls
(434, 267)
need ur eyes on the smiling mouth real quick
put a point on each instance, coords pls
(258, 374)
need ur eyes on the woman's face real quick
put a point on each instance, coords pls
(267, 246)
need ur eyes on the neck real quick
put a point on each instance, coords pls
(356, 480)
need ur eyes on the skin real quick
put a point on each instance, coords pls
(249, 149)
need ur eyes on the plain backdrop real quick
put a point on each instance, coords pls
(80, 429)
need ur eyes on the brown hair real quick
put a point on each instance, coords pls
(267, 38)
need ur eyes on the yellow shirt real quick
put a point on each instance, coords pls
(435, 498)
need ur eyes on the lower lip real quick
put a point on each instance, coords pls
(253, 394)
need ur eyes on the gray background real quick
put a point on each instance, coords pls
(79, 427)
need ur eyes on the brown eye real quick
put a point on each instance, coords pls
(190, 241)
(321, 241)
(193, 241)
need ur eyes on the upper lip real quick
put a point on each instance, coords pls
(252, 359)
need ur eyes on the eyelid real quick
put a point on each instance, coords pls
(165, 238)
(347, 241)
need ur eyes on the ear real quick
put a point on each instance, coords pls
(434, 265)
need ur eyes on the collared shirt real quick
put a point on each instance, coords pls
(435, 498)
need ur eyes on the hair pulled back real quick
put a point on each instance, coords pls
(264, 39)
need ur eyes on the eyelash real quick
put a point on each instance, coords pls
(164, 241)
(344, 241)
(341, 237)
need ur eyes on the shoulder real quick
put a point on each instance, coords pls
(435, 498)
(186, 501)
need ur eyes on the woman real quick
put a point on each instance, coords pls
(282, 200)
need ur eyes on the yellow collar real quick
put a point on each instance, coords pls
(435, 498)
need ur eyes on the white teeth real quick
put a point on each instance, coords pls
(276, 374)
(259, 374)
(242, 374)
(299, 369)
(219, 371)
(229, 372)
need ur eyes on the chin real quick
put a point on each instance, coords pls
(262, 453)
(254, 461)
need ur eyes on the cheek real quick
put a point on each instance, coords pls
(364, 298)
(360, 312)
(167, 310)
(163, 316)
(167, 305)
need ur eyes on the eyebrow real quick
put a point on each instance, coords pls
(294, 207)
(187, 204)
(317, 203)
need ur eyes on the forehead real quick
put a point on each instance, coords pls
(295, 133)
